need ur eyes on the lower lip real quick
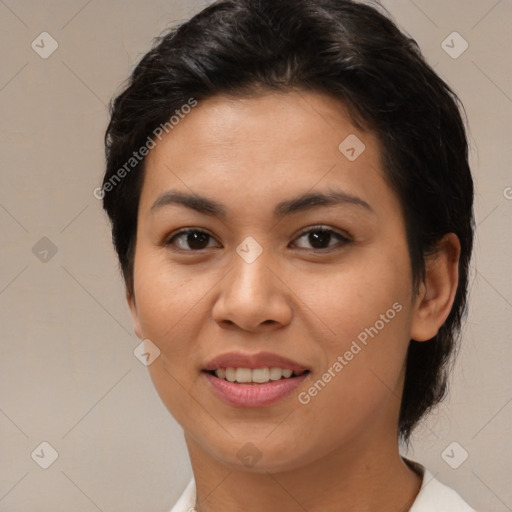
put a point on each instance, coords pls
(253, 395)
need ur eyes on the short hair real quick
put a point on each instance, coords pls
(356, 54)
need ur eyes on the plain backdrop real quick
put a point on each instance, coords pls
(68, 375)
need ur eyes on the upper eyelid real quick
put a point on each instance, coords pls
(321, 227)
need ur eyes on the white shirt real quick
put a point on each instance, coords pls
(433, 496)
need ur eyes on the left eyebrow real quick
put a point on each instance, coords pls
(307, 201)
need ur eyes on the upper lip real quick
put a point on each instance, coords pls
(258, 360)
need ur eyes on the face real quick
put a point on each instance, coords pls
(323, 283)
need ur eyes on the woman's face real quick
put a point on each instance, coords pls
(327, 286)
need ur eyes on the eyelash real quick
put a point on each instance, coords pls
(344, 240)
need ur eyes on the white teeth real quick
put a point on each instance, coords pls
(275, 373)
(243, 375)
(230, 374)
(258, 375)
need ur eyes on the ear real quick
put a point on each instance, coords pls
(130, 298)
(437, 293)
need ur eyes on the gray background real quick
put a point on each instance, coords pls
(68, 374)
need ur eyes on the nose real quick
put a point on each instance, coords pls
(253, 296)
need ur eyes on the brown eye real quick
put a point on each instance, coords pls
(195, 239)
(319, 238)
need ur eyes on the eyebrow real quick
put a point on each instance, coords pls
(307, 201)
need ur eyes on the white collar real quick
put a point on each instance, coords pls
(435, 496)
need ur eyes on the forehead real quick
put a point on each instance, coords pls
(259, 148)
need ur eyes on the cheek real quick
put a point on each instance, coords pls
(365, 307)
(168, 301)
(167, 306)
(352, 296)
(166, 295)
(359, 384)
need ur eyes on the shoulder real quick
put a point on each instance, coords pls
(435, 496)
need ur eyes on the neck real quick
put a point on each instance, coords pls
(367, 476)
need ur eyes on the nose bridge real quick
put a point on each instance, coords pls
(251, 276)
(251, 294)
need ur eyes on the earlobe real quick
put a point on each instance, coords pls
(130, 298)
(437, 293)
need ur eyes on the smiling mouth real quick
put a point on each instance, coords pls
(255, 376)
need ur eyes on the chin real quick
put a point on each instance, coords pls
(260, 457)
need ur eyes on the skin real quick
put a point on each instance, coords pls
(305, 302)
